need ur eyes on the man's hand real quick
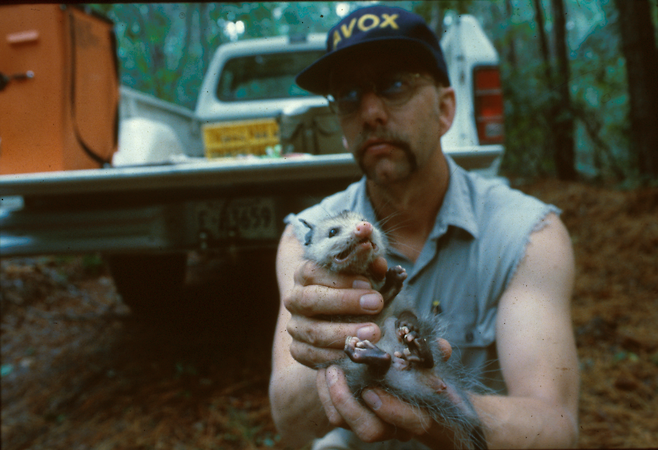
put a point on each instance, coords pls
(318, 293)
(382, 416)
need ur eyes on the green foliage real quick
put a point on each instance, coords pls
(164, 50)
(598, 88)
(526, 125)
(601, 102)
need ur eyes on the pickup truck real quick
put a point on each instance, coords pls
(220, 179)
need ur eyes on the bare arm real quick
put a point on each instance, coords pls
(301, 341)
(537, 355)
(537, 350)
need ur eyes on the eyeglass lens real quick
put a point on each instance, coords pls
(394, 89)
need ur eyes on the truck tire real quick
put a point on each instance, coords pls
(149, 284)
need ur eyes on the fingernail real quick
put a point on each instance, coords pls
(366, 333)
(372, 399)
(370, 302)
(361, 284)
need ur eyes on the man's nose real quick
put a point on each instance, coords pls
(372, 109)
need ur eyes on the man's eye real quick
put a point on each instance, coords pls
(351, 95)
(394, 86)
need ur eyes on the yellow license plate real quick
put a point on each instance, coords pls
(247, 137)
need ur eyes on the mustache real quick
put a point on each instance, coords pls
(397, 139)
(394, 138)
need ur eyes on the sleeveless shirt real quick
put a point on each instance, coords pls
(471, 255)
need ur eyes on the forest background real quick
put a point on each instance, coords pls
(80, 371)
(579, 76)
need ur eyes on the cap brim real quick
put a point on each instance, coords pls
(315, 78)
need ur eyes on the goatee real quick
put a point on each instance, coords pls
(393, 138)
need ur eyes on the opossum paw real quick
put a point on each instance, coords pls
(397, 273)
(417, 350)
(395, 277)
(401, 361)
(406, 322)
(365, 352)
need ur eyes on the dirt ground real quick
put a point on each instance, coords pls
(79, 371)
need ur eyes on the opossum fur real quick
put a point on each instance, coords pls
(407, 362)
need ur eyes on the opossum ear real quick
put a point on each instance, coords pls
(309, 234)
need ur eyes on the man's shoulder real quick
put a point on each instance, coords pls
(495, 200)
(501, 210)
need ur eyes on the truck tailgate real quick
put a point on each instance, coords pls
(174, 177)
(177, 207)
(163, 208)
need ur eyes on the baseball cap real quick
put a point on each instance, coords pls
(375, 28)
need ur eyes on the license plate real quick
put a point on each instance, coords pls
(245, 218)
(246, 137)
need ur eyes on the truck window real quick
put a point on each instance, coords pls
(260, 77)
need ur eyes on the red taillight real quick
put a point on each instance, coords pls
(489, 114)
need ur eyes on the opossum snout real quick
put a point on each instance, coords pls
(363, 230)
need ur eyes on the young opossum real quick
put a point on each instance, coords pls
(408, 360)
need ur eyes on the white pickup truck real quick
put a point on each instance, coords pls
(222, 177)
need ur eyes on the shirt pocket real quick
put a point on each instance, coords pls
(472, 337)
(476, 351)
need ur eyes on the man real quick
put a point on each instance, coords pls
(499, 262)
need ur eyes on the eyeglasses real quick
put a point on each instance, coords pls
(394, 89)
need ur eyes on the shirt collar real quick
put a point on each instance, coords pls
(457, 209)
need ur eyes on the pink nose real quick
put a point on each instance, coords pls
(363, 230)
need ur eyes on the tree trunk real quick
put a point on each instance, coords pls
(547, 113)
(203, 35)
(564, 156)
(639, 47)
(511, 51)
(436, 22)
(188, 9)
(543, 40)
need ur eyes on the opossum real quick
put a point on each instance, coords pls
(408, 360)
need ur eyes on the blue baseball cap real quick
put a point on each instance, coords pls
(372, 29)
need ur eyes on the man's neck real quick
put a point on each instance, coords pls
(408, 209)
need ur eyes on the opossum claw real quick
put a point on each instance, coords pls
(419, 351)
(365, 352)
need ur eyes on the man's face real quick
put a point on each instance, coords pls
(391, 116)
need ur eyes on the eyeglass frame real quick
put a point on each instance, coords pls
(379, 92)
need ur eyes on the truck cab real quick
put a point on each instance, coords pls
(255, 78)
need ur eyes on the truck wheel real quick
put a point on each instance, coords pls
(149, 284)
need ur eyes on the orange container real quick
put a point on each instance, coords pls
(65, 116)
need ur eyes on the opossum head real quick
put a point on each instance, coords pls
(346, 243)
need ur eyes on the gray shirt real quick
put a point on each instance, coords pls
(477, 242)
(472, 253)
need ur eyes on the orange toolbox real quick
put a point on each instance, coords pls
(59, 89)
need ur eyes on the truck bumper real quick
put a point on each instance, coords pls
(25, 232)
(173, 208)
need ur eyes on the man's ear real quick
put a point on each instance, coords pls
(447, 107)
